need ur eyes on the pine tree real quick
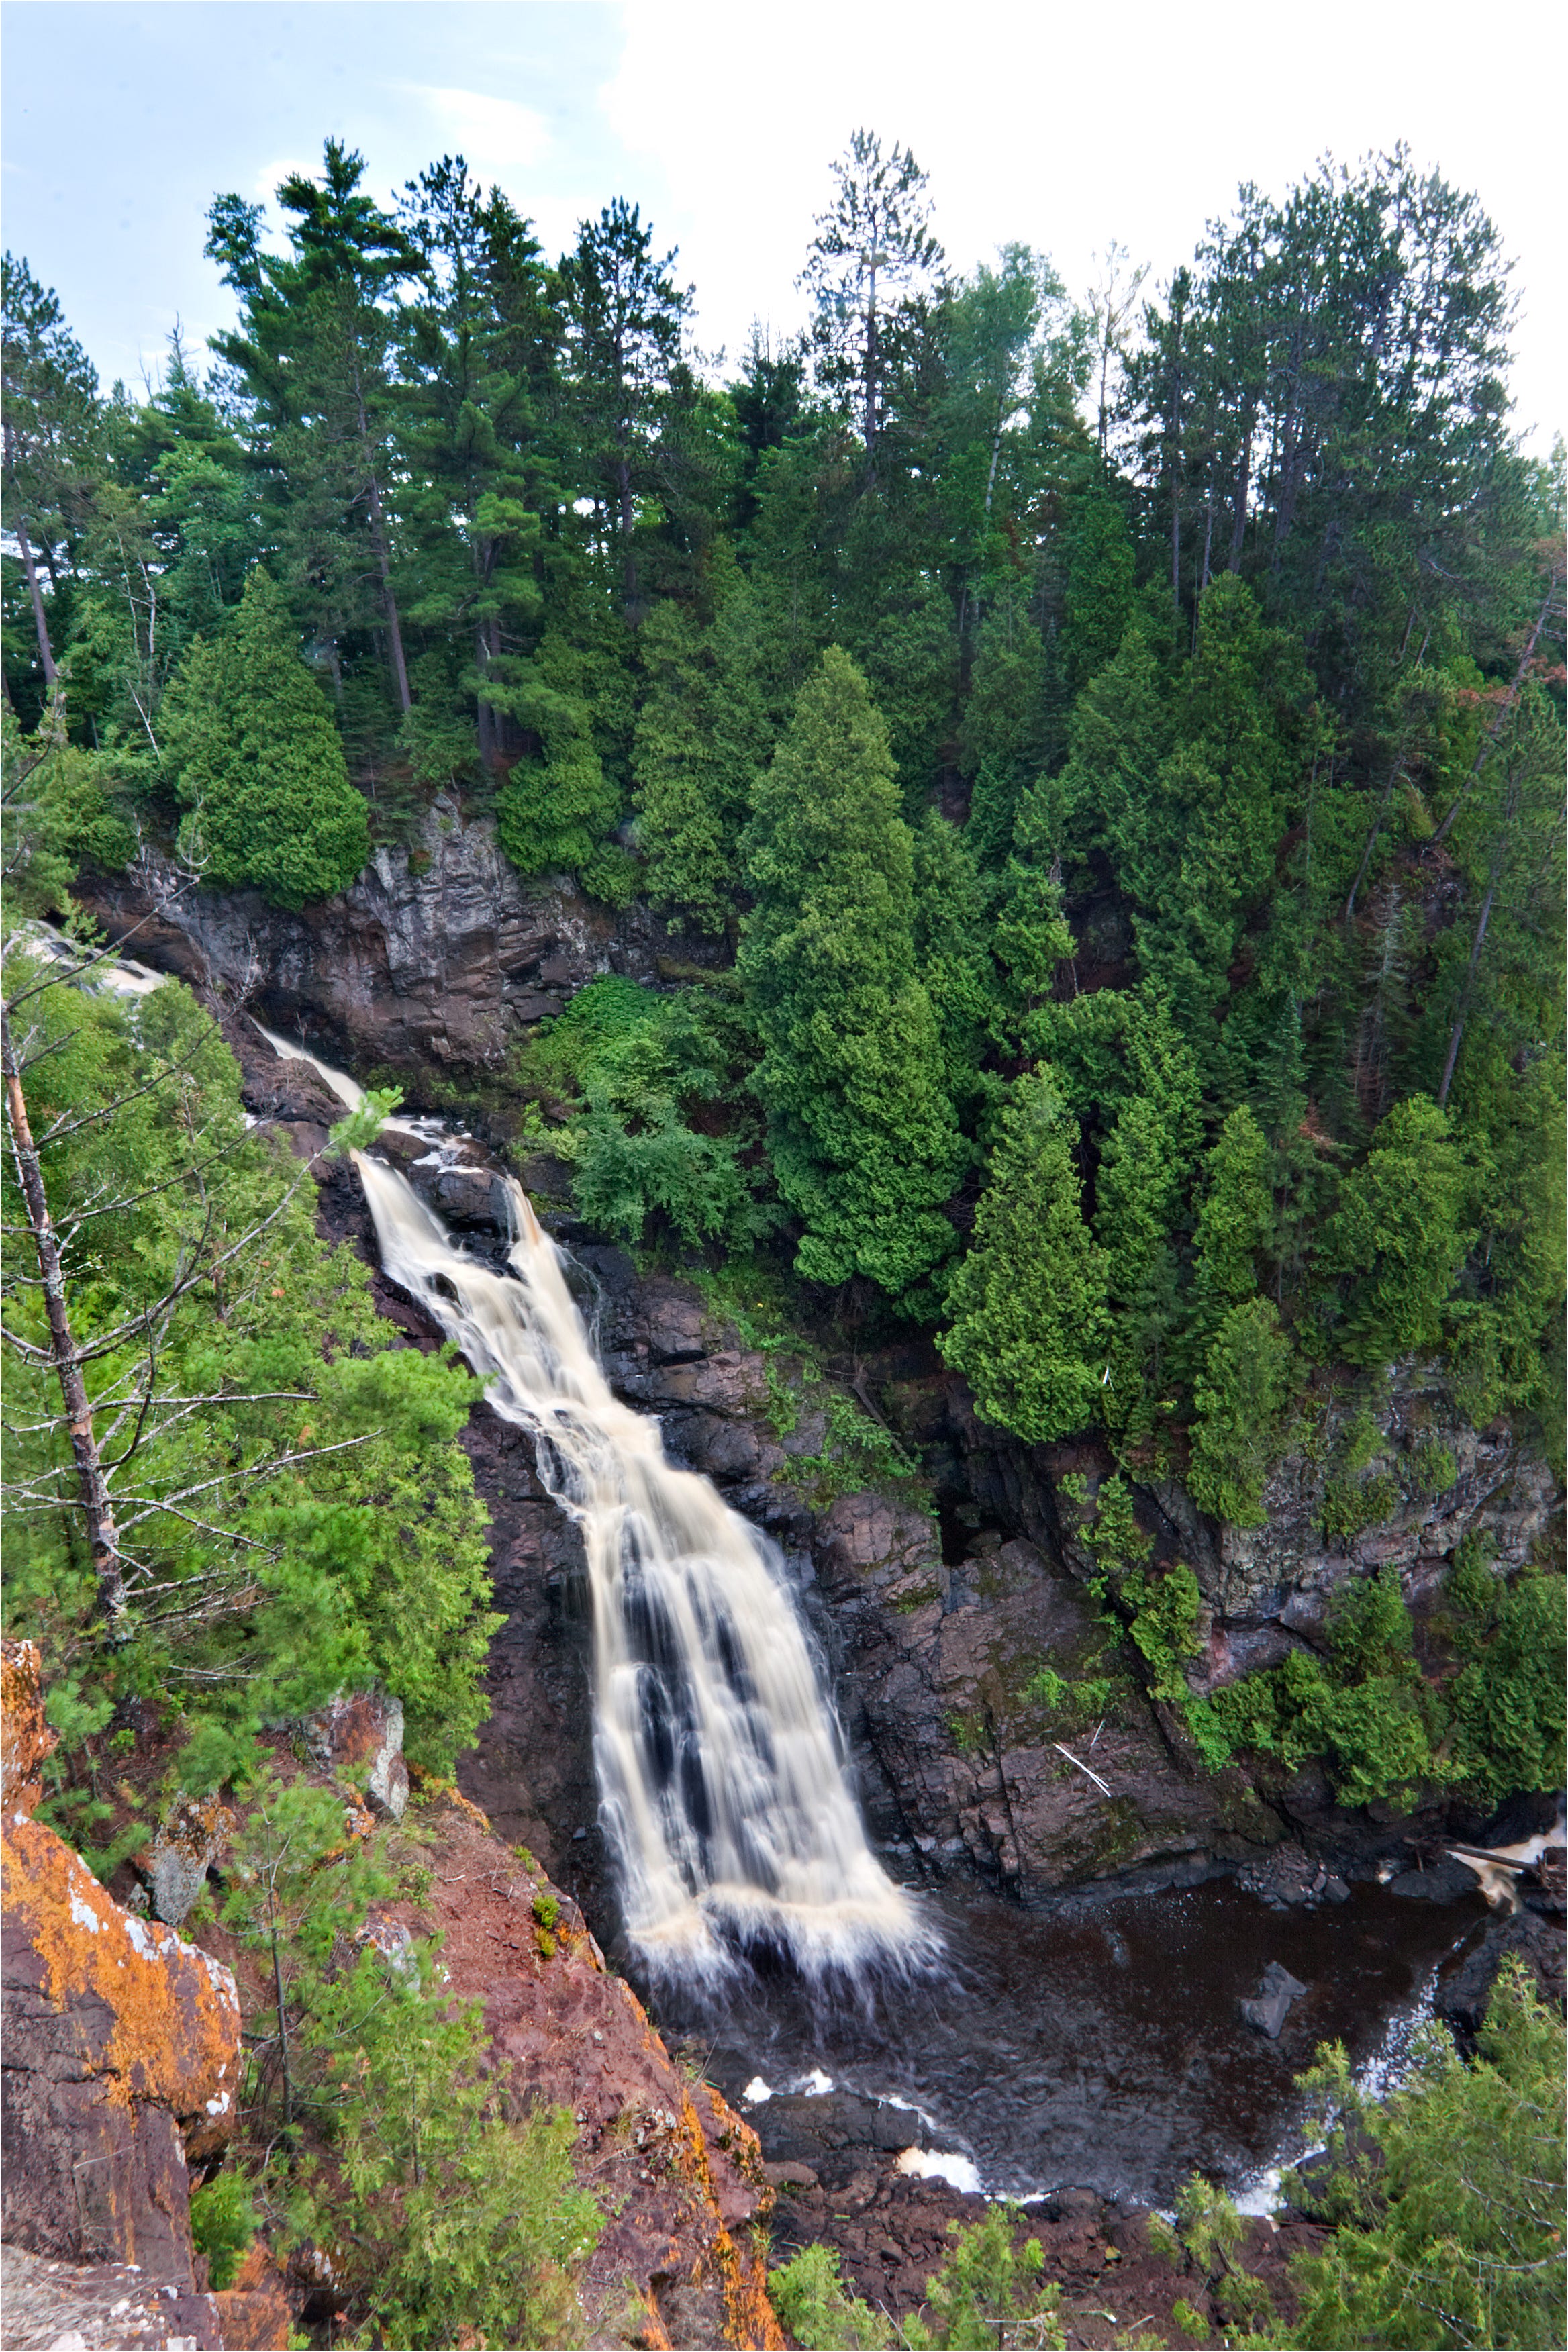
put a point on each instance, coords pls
(861, 1133)
(257, 762)
(1030, 1326)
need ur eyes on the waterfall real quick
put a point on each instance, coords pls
(721, 1780)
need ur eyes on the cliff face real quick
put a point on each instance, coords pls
(437, 956)
(122, 2068)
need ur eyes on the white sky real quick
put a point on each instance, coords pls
(1047, 123)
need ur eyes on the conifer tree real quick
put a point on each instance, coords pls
(1233, 1222)
(1398, 1233)
(703, 737)
(257, 762)
(861, 1133)
(1030, 1326)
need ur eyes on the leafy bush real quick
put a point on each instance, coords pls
(818, 2311)
(990, 2291)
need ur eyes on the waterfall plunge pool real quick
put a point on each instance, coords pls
(1095, 2043)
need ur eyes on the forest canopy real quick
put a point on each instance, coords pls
(1108, 753)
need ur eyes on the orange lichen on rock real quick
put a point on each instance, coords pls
(25, 1739)
(171, 2011)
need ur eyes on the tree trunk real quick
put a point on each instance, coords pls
(103, 1544)
(30, 570)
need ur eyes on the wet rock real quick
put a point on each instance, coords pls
(1463, 1995)
(364, 1729)
(1436, 1882)
(121, 2064)
(1269, 2008)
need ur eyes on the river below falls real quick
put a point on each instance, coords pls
(1095, 2043)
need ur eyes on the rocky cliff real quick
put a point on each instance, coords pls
(433, 960)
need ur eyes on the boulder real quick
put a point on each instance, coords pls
(1267, 2010)
(361, 1729)
(122, 2058)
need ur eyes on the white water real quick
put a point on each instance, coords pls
(721, 1783)
(347, 1090)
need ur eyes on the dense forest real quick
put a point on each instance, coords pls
(1101, 765)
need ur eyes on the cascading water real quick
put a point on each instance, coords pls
(721, 1780)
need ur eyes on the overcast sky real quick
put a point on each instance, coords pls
(1054, 124)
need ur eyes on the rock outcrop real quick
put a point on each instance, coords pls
(679, 2171)
(436, 957)
(122, 2045)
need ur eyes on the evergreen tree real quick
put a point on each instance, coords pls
(314, 348)
(50, 428)
(1398, 1233)
(873, 237)
(1242, 1400)
(702, 738)
(624, 321)
(1030, 1326)
(257, 762)
(860, 1131)
(1233, 1222)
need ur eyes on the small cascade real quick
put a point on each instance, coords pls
(721, 1777)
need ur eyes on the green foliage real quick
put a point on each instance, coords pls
(702, 735)
(1029, 1319)
(1399, 1235)
(818, 2311)
(555, 813)
(1507, 1700)
(989, 2290)
(1242, 1402)
(63, 809)
(1447, 2195)
(256, 762)
(1366, 1712)
(857, 1453)
(303, 1514)
(223, 2224)
(396, 2150)
(1232, 1222)
(860, 1131)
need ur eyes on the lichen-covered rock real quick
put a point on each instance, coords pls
(25, 1739)
(61, 2306)
(363, 1731)
(122, 2061)
(183, 1850)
